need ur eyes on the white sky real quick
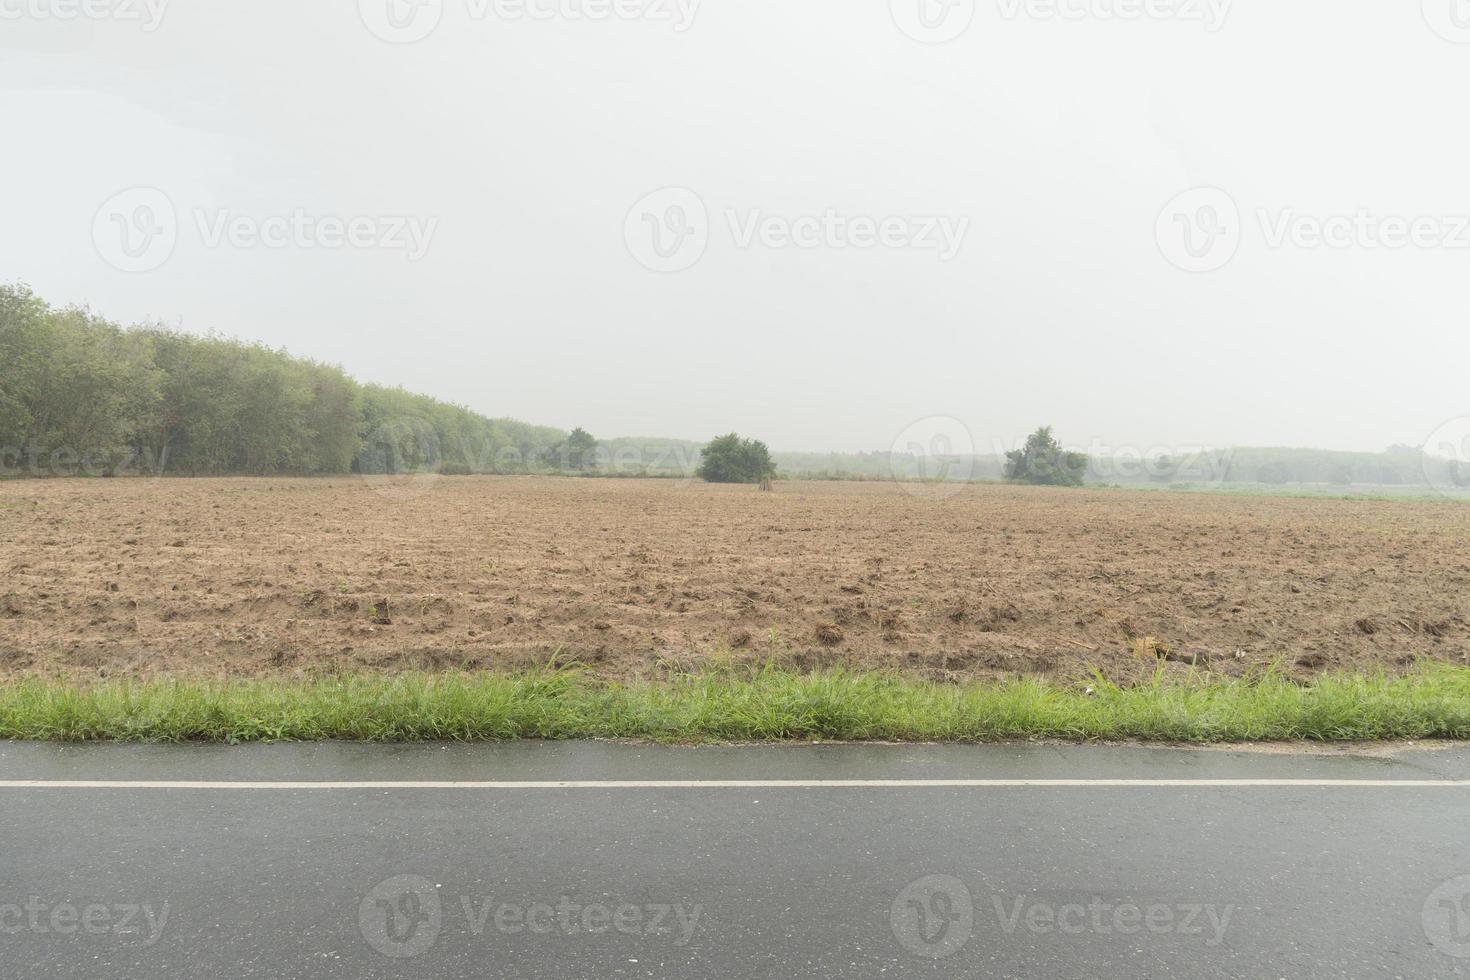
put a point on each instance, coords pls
(529, 140)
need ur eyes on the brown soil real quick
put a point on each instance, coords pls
(290, 577)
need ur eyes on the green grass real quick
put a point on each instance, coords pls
(770, 704)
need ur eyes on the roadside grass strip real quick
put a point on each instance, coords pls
(1432, 702)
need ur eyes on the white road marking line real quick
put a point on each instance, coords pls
(610, 784)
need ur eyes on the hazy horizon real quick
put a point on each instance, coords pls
(903, 230)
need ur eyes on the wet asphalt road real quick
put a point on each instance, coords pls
(699, 881)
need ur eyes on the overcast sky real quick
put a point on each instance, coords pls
(809, 221)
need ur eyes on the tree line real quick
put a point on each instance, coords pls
(80, 395)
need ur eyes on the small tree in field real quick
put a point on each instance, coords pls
(1043, 462)
(731, 459)
(581, 450)
(577, 452)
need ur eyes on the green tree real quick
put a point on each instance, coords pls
(1043, 462)
(577, 451)
(581, 449)
(81, 395)
(23, 345)
(74, 390)
(731, 459)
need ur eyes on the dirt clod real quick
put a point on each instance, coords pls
(829, 634)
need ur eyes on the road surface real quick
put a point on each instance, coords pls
(599, 860)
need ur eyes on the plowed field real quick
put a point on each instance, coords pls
(632, 577)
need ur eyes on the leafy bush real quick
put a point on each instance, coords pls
(1043, 462)
(731, 459)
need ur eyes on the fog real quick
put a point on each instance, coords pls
(1156, 222)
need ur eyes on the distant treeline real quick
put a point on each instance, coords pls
(82, 396)
(1398, 466)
